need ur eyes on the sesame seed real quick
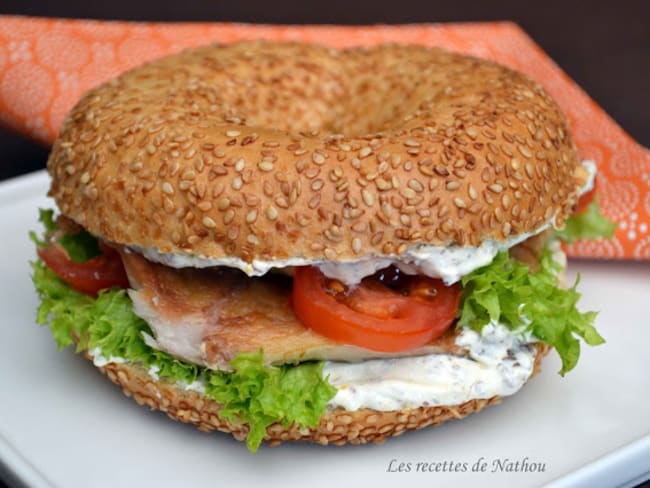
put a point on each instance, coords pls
(251, 216)
(365, 152)
(232, 133)
(271, 213)
(167, 188)
(441, 170)
(367, 197)
(249, 139)
(356, 245)
(281, 202)
(383, 184)
(459, 202)
(318, 158)
(496, 188)
(314, 202)
(168, 205)
(237, 183)
(330, 253)
(228, 216)
(303, 220)
(386, 210)
(188, 175)
(415, 185)
(529, 170)
(411, 143)
(525, 152)
(251, 199)
(407, 193)
(209, 223)
(360, 227)
(136, 166)
(452, 185)
(265, 165)
(301, 164)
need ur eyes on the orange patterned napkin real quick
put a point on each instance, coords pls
(46, 64)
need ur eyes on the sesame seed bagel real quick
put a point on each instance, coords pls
(337, 427)
(272, 151)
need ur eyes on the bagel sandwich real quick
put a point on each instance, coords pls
(289, 242)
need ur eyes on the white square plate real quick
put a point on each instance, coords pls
(63, 424)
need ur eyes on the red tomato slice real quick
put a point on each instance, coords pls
(96, 274)
(585, 200)
(373, 315)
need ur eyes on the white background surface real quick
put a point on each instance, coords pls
(63, 424)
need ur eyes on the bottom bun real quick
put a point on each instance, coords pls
(335, 427)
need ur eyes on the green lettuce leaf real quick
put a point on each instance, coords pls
(505, 291)
(252, 393)
(263, 395)
(45, 217)
(81, 246)
(591, 224)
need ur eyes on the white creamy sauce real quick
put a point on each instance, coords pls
(499, 363)
(196, 385)
(449, 263)
(100, 360)
(590, 166)
(153, 372)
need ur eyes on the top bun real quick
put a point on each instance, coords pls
(271, 151)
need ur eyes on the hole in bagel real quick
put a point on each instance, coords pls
(298, 90)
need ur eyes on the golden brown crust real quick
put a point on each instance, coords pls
(262, 151)
(336, 427)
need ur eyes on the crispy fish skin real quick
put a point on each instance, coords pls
(209, 316)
